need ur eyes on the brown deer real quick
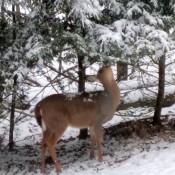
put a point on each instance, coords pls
(86, 110)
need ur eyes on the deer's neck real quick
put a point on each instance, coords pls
(111, 87)
(114, 91)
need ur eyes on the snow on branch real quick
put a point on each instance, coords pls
(107, 36)
(84, 9)
(133, 8)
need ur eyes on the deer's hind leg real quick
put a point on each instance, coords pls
(46, 136)
(51, 144)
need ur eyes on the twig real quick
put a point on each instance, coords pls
(61, 73)
(33, 82)
(25, 113)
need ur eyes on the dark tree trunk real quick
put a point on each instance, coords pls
(81, 88)
(1, 95)
(122, 71)
(160, 95)
(12, 111)
(81, 74)
(3, 25)
(12, 115)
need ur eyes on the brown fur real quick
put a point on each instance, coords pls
(85, 110)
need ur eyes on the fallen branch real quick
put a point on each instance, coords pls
(168, 101)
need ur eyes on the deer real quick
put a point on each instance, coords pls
(57, 112)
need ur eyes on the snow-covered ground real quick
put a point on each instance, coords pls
(121, 157)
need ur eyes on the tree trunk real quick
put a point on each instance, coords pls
(122, 71)
(12, 112)
(3, 25)
(18, 13)
(81, 88)
(161, 87)
(1, 95)
(12, 115)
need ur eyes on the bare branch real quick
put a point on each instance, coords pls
(61, 73)
(24, 113)
(32, 82)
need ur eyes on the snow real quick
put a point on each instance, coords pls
(150, 18)
(133, 8)
(90, 7)
(155, 162)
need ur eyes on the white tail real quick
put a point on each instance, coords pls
(86, 110)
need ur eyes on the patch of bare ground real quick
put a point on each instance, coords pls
(143, 129)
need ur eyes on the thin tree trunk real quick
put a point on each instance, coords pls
(81, 74)
(12, 114)
(2, 10)
(160, 95)
(1, 95)
(81, 88)
(3, 25)
(18, 13)
(60, 66)
(122, 71)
